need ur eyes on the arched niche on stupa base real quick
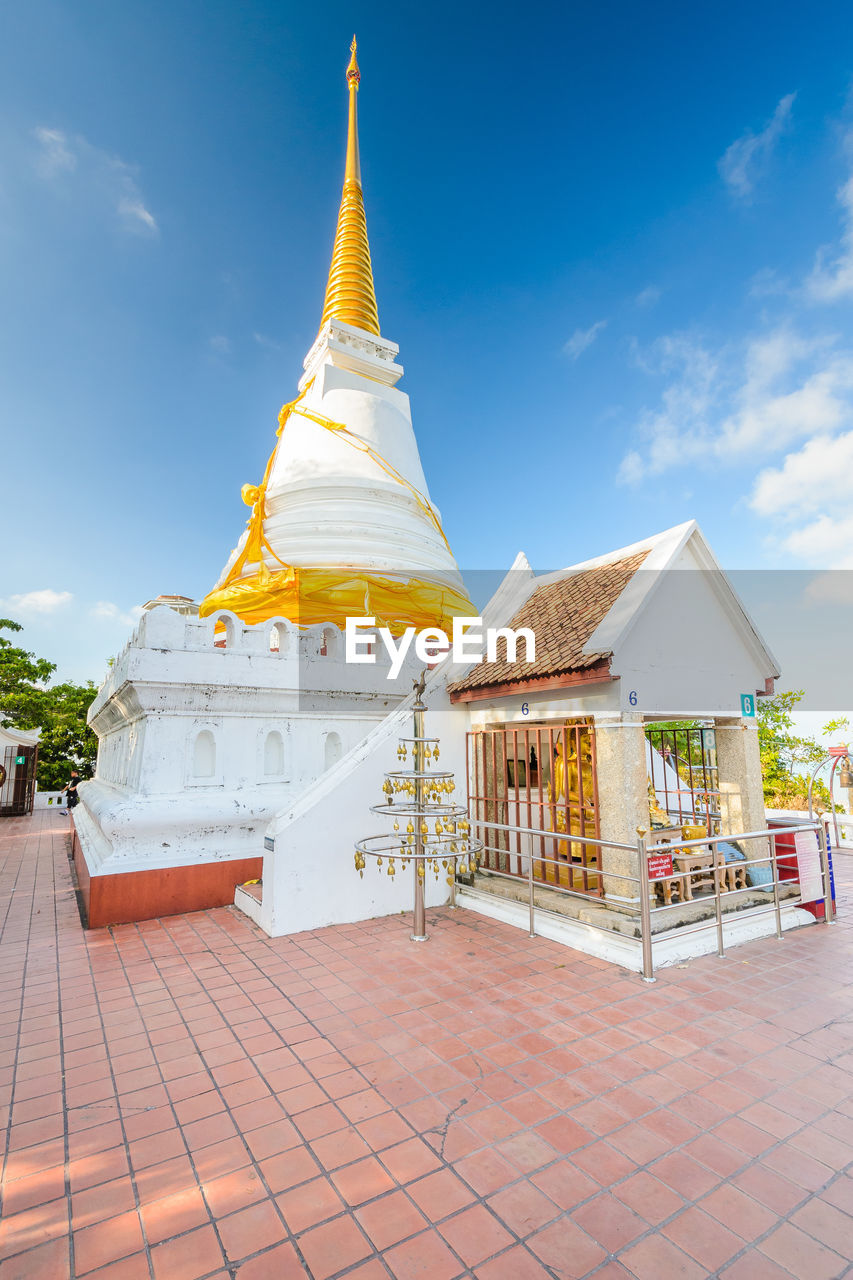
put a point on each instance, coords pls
(273, 753)
(322, 641)
(204, 755)
(333, 749)
(283, 637)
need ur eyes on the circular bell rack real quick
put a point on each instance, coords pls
(431, 831)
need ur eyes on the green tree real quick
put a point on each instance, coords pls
(29, 701)
(787, 758)
(23, 681)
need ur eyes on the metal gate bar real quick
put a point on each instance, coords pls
(538, 783)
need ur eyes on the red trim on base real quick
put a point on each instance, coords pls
(164, 891)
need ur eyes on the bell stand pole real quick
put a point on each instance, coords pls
(419, 933)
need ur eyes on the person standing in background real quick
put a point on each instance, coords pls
(71, 790)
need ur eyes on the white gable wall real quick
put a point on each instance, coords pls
(689, 651)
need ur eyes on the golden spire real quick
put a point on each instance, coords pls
(350, 295)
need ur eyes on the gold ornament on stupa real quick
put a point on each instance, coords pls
(350, 295)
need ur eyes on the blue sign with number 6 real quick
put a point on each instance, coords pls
(747, 705)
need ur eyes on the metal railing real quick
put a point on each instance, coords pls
(559, 864)
(715, 870)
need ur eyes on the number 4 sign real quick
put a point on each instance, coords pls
(747, 705)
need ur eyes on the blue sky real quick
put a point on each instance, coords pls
(615, 244)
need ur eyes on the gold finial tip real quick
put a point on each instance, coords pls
(353, 73)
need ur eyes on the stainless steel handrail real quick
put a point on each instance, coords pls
(642, 849)
(555, 835)
(740, 835)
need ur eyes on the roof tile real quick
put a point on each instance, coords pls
(563, 616)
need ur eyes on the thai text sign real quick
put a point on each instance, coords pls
(660, 865)
(808, 866)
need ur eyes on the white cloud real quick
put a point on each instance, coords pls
(112, 613)
(55, 156)
(824, 541)
(731, 404)
(780, 399)
(647, 297)
(134, 211)
(794, 388)
(832, 587)
(831, 280)
(44, 601)
(811, 490)
(767, 283)
(815, 478)
(263, 341)
(679, 430)
(221, 345)
(743, 162)
(94, 173)
(583, 338)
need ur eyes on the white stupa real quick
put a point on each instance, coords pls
(342, 523)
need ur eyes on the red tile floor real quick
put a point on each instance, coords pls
(187, 1098)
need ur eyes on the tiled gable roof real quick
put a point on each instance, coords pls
(562, 615)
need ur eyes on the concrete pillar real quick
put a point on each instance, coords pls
(623, 800)
(741, 790)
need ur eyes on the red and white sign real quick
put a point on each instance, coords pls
(660, 866)
(808, 866)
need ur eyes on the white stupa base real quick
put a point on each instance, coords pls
(200, 746)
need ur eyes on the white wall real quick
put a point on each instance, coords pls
(309, 877)
(686, 653)
(148, 805)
